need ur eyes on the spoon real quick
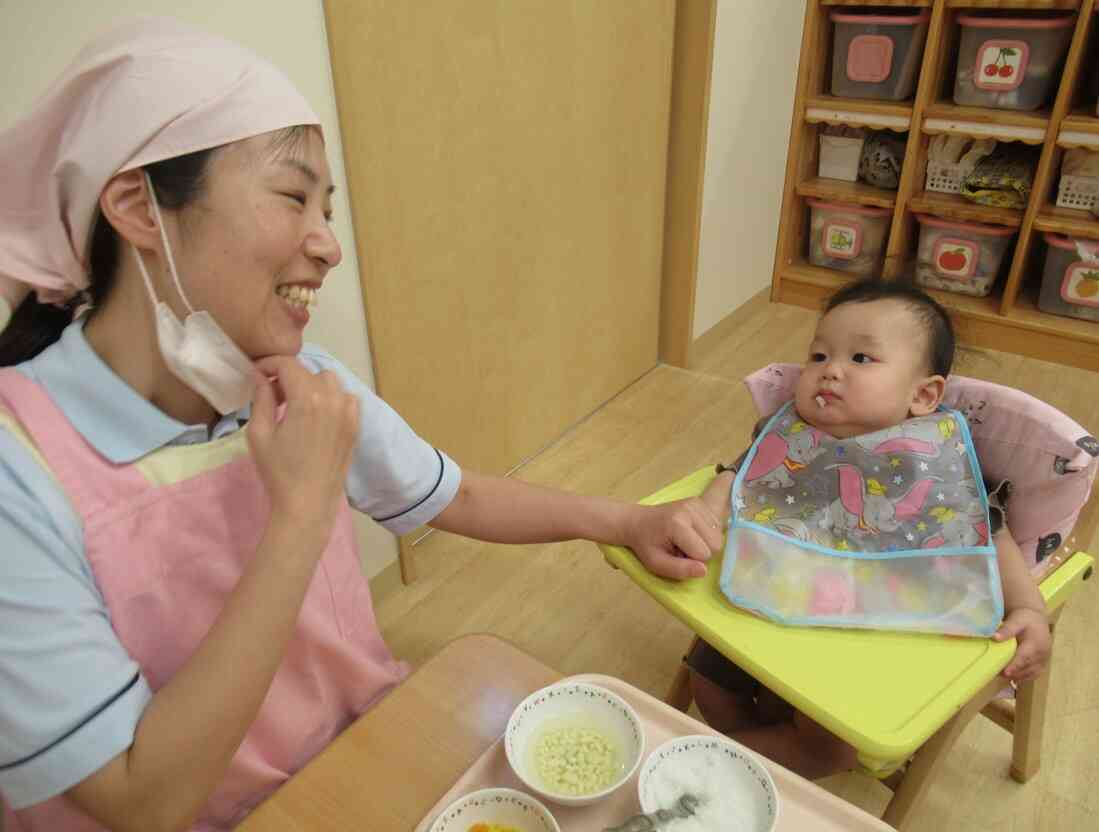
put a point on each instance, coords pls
(645, 823)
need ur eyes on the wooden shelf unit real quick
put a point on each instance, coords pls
(837, 190)
(959, 209)
(1008, 319)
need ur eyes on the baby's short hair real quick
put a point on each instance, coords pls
(932, 317)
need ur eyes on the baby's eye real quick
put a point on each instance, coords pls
(861, 358)
(298, 198)
(816, 357)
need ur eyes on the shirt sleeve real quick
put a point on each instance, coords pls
(396, 477)
(70, 695)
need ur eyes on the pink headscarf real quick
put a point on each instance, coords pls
(144, 92)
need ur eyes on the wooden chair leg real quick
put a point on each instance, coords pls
(679, 694)
(921, 770)
(1030, 722)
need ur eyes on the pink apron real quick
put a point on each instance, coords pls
(165, 558)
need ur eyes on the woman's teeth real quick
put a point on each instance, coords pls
(298, 295)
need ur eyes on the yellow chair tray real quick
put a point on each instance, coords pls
(883, 692)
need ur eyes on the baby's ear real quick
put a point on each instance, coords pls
(927, 396)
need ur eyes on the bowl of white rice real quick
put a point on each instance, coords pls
(733, 788)
(574, 743)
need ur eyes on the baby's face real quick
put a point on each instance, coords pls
(865, 364)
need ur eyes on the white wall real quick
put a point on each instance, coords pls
(38, 39)
(756, 49)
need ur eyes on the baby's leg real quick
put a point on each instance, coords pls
(772, 708)
(801, 745)
(734, 703)
(724, 693)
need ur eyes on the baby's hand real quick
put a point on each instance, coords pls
(1030, 629)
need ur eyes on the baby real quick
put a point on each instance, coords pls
(880, 356)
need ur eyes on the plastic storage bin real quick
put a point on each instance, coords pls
(962, 257)
(1010, 63)
(877, 55)
(847, 237)
(1070, 281)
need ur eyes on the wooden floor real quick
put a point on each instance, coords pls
(563, 604)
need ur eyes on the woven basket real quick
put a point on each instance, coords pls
(1078, 192)
(946, 177)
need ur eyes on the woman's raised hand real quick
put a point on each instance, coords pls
(304, 456)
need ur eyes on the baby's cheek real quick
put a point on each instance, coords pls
(806, 387)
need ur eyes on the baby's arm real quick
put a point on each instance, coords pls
(1025, 612)
(718, 493)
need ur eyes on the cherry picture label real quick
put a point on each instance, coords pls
(955, 258)
(1001, 65)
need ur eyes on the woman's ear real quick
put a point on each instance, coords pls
(927, 396)
(126, 206)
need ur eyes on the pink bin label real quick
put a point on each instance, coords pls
(1001, 65)
(869, 58)
(956, 258)
(842, 240)
(1081, 284)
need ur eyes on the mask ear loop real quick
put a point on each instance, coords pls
(167, 252)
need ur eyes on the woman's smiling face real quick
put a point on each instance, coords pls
(255, 247)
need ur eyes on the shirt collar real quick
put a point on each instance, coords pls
(104, 409)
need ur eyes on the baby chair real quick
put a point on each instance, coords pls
(905, 715)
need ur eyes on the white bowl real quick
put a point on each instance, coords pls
(566, 704)
(745, 797)
(507, 807)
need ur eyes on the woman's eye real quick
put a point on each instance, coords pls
(861, 358)
(298, 198)
(816, 357)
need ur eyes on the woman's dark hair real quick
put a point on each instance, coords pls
(178, 182)
(931, 316)
(34, 326)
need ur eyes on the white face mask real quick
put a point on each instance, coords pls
(198, 352)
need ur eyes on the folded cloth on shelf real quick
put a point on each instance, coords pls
(955, 150)
(881, 160)
(1080, 162)
(1002, 179)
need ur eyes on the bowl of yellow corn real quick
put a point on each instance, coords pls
(495, 810)
(574, 743)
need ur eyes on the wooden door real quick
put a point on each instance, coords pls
(506, 160)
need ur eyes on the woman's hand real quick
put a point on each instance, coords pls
(674, 540)
(302, 458)
(1030, 629)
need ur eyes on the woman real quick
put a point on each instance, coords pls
(183, 622)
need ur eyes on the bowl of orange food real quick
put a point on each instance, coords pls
(495, 810)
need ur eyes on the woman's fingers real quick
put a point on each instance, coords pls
(262, 421)
(707, 524)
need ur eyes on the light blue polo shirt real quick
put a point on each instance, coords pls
(70, 695)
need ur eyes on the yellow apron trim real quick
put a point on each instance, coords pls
(176, 463)
(166, 466)
(9, 422)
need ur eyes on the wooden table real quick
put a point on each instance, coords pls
(390, 767)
